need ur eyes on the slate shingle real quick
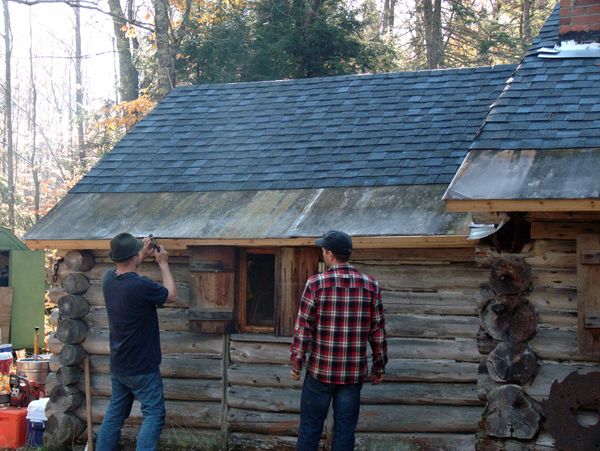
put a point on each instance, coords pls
(360, 130)
(554, 97)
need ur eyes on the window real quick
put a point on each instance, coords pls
(238, 289)
(257, 290)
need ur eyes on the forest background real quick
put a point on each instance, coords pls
(79, 73)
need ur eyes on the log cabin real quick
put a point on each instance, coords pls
(484, 287)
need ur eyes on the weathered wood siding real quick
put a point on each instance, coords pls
(237, 387)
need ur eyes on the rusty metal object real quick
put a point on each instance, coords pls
(577, 393)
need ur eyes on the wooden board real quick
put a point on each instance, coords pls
(294, 266)
(588, 294)
(6, 299)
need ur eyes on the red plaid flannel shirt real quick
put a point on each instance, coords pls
(340, 313)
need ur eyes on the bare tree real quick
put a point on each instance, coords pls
(8, 118)
(33, 128)
(389, 15)
(79, 87)
(165, 70)
(128, 74)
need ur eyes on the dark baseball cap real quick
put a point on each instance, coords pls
(124, 246)
(337, 242)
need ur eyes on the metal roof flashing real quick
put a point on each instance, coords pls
(571, 49)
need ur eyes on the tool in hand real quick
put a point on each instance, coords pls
(155, 245)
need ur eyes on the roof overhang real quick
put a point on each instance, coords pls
(398, 216)
(527, 180)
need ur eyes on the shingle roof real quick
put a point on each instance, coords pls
(547, 103)
(364, 130)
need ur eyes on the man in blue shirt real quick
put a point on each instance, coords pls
(131, 302)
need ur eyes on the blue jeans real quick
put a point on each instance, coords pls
(146, 388)
(316, 397)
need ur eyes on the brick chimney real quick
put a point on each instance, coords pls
(580, 20)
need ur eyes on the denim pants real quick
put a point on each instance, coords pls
(314, 404)
(148, 390)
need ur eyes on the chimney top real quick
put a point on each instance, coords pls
(580, 20)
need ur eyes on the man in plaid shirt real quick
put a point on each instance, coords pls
(340, 313)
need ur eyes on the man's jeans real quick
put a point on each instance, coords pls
(148, 389)
(316, 397)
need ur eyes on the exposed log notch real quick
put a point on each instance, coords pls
(510, 276)
(512, 362)
(510, 413)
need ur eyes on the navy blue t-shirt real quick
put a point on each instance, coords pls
(131, 301)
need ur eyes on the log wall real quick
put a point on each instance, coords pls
(237, 389)
(552, 256)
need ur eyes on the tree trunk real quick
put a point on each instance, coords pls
(432, 12)
(79, 88)
(33, 128)
(128, 74)
(165, 69)
(8, 118)
(525, 23)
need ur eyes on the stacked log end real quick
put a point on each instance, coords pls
(64, 427)
(508, 322)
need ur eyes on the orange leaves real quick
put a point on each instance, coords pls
(127, 114)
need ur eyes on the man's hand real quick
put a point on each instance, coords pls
(146, 249)
(376, 378)
(162, 256)
(295, 374)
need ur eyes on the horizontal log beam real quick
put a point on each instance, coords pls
(171, 343)
(466, 205)
(557, 230)
(178, 366)
(174, 389)
(437, 303)
(463, 442)
(460, 349)
(431, 326)
(169, 319)
(418, 241)
(180, 414)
